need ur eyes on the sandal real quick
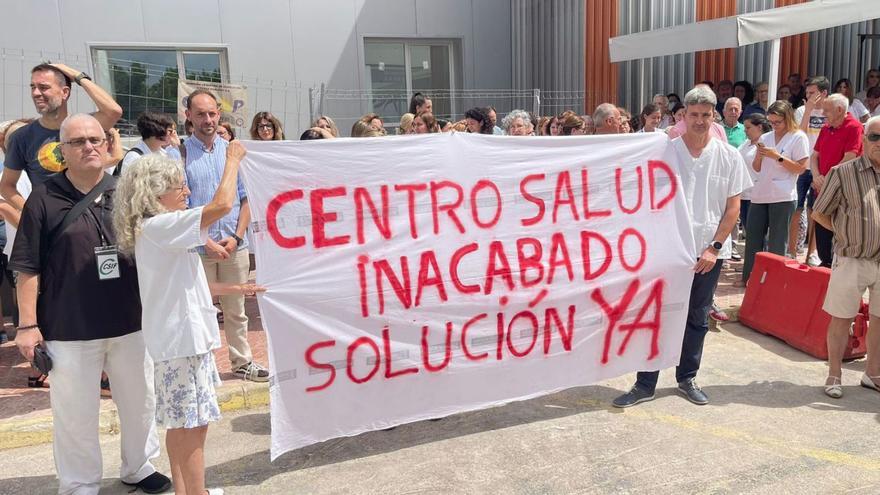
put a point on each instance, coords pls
(870, 382)
(38, 381)
(835, 390)
(718, 314)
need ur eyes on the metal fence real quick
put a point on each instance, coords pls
(138, 87)
(346, 106)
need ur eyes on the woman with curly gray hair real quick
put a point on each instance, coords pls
(152, 221)
(517, 123)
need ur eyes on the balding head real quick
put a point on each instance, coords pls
(71, 120)
(83, 144)
(607, 119)
(732, 111)
(835, 107)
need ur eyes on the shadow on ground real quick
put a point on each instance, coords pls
(780, 348)
(252, 469)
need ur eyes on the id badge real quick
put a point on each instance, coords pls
(108, 262)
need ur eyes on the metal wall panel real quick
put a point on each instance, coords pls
(601, 18)
(752, 60)
(714, 65)
(641, 79)
(548, 45)
(834, 53)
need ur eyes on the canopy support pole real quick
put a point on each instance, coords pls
(773, 77)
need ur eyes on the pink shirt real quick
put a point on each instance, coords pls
(716, 131)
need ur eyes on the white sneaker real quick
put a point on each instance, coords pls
(813, 260)
(215, 491)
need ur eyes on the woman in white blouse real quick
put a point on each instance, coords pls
(179, 322)
(756, 125)
(781, 156)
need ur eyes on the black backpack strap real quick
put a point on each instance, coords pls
(118, 170)
(79, 208)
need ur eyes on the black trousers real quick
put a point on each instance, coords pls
(824, 245)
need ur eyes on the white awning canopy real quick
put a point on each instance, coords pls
(743, 29)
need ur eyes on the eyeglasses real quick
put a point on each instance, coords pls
(265, 126)
(873, 137)
(775, 122)
(80, 142)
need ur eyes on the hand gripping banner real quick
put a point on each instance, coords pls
(415, 277)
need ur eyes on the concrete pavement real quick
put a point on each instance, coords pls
(768, 429)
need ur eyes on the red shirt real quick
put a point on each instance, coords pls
(834, 142)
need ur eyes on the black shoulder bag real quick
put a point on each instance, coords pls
(80, 207)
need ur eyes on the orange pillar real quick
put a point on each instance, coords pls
(794, 51)
(600, 78)
(714, 65)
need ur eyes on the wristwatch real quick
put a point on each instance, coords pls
(238, 240)
(79, 77)
(780, 159)
(716, 245)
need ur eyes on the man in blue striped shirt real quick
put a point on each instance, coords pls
(225, 256)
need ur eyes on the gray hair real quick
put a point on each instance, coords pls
(838, 100)
(700, 95)
(873, 120)
(137, 195)
(67, 122)
(602, 112)
(508, 119)
(732, 99)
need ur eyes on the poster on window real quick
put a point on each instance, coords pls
(415, 277)
(231, 97)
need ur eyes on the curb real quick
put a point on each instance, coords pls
(35, 431)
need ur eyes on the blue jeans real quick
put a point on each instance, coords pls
(695, 329)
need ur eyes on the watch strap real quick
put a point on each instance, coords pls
(238, 239)
(79, 77)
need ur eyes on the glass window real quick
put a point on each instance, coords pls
(202, 66)
(146, 79)
(397, 69)
(429, 69)
(386, 77)
(140, 80)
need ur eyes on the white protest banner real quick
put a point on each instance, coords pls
(232, 99)
(418, 276)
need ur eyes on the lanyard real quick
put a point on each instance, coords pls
(98, 221)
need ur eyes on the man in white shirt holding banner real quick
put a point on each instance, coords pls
(713, 175)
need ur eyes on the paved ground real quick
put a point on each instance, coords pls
(18, 403)
(768, 429)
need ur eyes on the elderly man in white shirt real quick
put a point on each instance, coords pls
(713, 175)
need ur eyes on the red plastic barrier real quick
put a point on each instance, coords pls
(784, 298)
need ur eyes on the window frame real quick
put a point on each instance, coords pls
(452, 44)
(221, 49)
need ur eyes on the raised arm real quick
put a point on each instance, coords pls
(109, 112)
(224, 198)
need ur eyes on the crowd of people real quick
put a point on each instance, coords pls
(79, 209)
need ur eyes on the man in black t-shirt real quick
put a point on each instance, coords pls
(80, 300)
(34, 148)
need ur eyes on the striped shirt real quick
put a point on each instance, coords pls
(851, 197)
(203, 172)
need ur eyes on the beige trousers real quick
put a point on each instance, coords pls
(235, 322)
